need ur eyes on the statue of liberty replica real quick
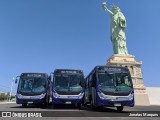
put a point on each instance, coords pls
(121, 56)
(117, 27)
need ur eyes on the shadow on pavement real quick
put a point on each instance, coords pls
(28, 106)
(71, 107)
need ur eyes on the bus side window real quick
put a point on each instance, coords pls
(90, 81)
(94, 80)
(86, 83)
(50, 85)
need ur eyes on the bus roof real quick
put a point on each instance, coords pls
(107, 66)
(74, 71)
(29, 74)
(102, 67)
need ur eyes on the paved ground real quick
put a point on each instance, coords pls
(6, 102)
(84, 114)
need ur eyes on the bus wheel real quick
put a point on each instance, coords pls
(120, 108)
(92, 105)
(85, 105)
(53, 106)
(79, 106)
(24, 105)
(37, 104)
(46, 103)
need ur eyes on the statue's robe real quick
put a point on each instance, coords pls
(118, 24)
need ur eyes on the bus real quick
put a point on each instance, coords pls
(68, 87)
(109, 86)
(33, 88)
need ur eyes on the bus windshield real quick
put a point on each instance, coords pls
(114, 82)
(32, 85)
(68, 83)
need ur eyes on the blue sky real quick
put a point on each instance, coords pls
(42, 35)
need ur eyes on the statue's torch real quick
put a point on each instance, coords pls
(104, 4)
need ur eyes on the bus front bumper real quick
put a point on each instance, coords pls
(66, 101)
(20, 99)
(114, 103)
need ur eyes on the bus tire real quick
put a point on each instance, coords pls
(84, 105)
(79, 106)
(47, 101)
(44, 104)
(92, 105)
(120, 108)
(37, 104)
(24, 105)
(54, 106)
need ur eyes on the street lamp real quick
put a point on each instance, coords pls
(11, 89)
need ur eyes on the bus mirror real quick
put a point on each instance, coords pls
(94, 81)
(84, 85)
(49, 77)
(92, 84)
(17, 78)
(16, 81)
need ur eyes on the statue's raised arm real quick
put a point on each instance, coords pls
(104, 5)
(117, 27)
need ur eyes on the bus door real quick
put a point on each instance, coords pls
(93, 89)
(87, 94)
(50, 90)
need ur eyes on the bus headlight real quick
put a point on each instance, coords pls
(80, 95)
(130, 97)
(42, 95)
(19, 96)
(101, 95)
(55, 95)
(106, 97)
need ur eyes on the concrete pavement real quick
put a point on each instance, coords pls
(85, 114)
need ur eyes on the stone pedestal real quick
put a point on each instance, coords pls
(141, 96)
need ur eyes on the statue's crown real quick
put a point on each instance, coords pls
(114, 7)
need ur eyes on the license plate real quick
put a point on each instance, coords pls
(29, 102)
(117, 104)
(33, 98)
(68, 102)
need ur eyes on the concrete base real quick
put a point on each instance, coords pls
(141, 96)
(141, 99)
(154, 95)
